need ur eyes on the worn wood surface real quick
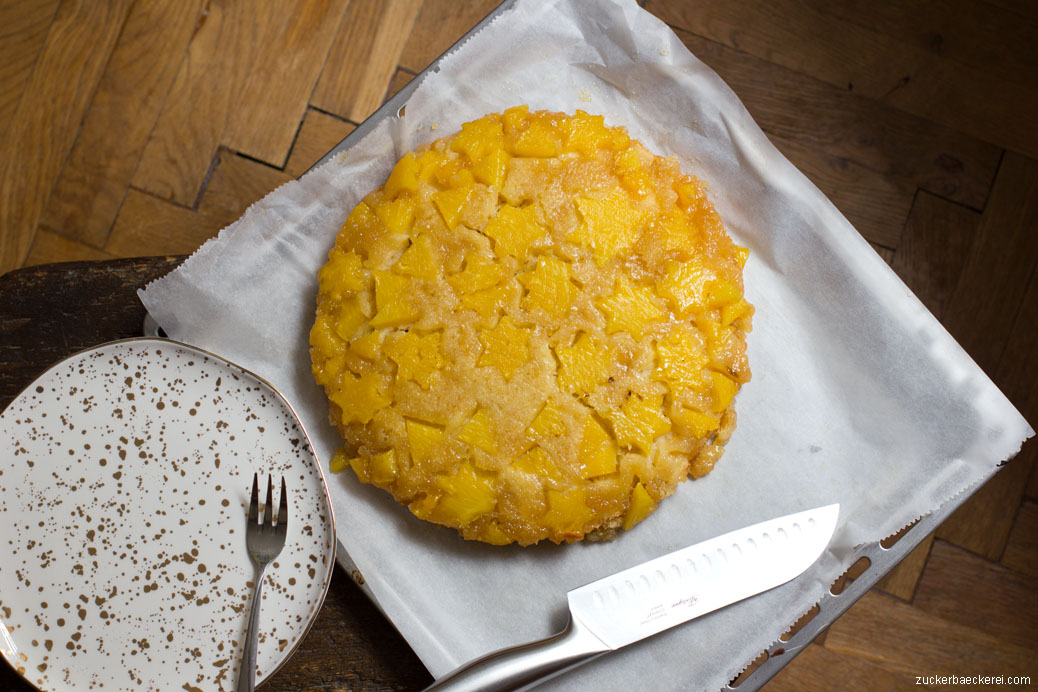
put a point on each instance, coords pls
(142, 128)
(49, 312)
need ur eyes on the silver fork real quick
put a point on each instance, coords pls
(264, 541)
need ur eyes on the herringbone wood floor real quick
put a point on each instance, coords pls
(141, 127)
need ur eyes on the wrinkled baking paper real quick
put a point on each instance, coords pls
(858, 395)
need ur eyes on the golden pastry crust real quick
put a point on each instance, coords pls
(534, 330)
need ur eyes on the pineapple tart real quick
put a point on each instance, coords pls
(534, 330)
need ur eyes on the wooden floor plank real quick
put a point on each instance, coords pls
(818, 669)
(887, 154)
(903, 639)
(973, 34)
(44, 126)
(808, 39)
(185, 139)
(993, 312)
(983, 307)
(1021, 554)
(49, 246)
(848, 125)
(961, 587)
(273, 99)
(364, 57)
(934, 247)
(440, 24)
(1026, 9)
(147, 225)
(24, 28)
(136, 81)
(238, 182)
(318, 134)
(904, 578)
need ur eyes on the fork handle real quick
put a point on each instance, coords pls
(247, 671)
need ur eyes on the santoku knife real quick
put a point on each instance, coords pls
(654, 596)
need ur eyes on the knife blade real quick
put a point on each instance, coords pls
(649, 598)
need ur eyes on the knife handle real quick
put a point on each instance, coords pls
(521, 667)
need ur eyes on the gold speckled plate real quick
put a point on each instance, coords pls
(125, 473)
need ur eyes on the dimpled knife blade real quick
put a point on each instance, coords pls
(656, 595)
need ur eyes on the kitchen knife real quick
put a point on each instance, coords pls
(644, 600)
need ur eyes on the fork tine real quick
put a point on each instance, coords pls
(254, 503)
(283, 507)
(269, 516)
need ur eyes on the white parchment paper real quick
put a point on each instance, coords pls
(858, 396)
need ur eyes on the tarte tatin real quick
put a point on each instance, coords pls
(533, 330)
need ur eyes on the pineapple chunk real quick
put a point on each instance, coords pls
(677, 233)
(342, 274)
(490, 170)
(722, 293)
(479, 273)
(327, 373)
(392, 300)
(639, 422)
(514, 231)
(724, 389)
(397, 216)
(360, 469)
(323, 337)
(685, 285)
(530, 135)
(549, 289)
(586, 134)
(404, 177)
(339, 462)
(641, 506)
(734, 311)
(466, 496)
(493, 534)
(417, 357)
(451, 204)
(741, 255)
(429, 164)
(423, 439)
(421, 260)
(368, 346)
(691, 422)
(536, 462)
(567, 513)
(611, 225)
(360, 398)
(505, 347)
(479, 138)
(584, 365)
(489, 302)
(633, 176)
(630, 309)
(383, 468)
(361, 221)
(548, 421)
(682, 357)
(352, 315)
(479, 432)
(597, 450)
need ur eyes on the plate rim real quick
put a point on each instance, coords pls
(332, 562)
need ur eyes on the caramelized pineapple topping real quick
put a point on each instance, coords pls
(534, 330)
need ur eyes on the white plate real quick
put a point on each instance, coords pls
(125, 474)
